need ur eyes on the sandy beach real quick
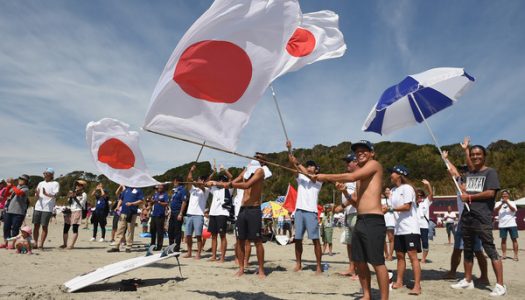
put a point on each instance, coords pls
(41, 275)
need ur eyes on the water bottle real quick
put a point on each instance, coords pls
(325, 267)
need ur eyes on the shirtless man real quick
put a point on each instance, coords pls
(248, 223)
(370, 229)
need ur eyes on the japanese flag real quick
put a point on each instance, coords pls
(220, 69)
(317, 38)
(116, 153)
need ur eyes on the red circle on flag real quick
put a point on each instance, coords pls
(301, 43)
(116, 154)
(215, 71)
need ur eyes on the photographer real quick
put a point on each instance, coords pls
(101, 212)
(73, 213)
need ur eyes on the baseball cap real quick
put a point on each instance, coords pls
(399, 169)
(49, 170)
(24, 177)
(350, 157)
(363, 143)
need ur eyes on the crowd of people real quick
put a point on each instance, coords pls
(380, 223)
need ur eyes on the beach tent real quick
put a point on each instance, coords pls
(520, 202)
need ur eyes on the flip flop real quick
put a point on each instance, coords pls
(414, 294)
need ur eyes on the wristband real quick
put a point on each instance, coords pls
(391, 209)
(469, 199)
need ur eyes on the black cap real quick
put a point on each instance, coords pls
(24, 177)
(350, 157)
(399, 169)
(363, 143)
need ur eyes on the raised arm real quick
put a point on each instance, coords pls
(451, 168)
(429, 189)
(465, 145)
(189, 178)
(369, 169)
(258, 175)
(228, 174)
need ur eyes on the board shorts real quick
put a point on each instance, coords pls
(407, 242)
(424, 238)
(41, 217)
(327, 235)
(249, 223)
(218, 224)
(368, 239)
(306, 221)
(194, 223)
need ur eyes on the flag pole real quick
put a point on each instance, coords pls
(458, 189)
(223, 150)
(279, 112)
(200, 151)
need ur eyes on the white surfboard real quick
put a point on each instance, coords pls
(117, 268)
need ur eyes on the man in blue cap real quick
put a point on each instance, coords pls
(370, 229)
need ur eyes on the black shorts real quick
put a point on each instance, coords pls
(249, 223)
(368, 239)
(218, 224)
(407, 242)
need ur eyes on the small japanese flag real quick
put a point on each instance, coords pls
(116, 153)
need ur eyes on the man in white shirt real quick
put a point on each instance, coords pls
(347, 189)
(506, 210)
(219, 216)
(306, 210)
(45, 193)
(423, 211)
(195, 211)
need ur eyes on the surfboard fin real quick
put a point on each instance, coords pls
(150, 250)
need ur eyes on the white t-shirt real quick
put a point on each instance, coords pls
(45, 203)
(506, 217)
(406, 221)
(449, 217)
(390, 220)
(423, 212)
(197, 201)
(350, 188)
(237, 201)
(307, 193)
(216, 208)
(82, 199)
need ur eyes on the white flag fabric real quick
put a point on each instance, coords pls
(116, 153)
(317, 38)
(220, 69)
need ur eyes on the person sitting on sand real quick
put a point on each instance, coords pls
(23, 243)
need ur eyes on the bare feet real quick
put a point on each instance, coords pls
(221, 260)
(188, 255)
(347, 273)
(390, 258)
(261, 274)
(415, 292)
(396, 285)
(423, 261)
(239, 273)
(318, 272)
(69, 247)
(213, 259)
(62, 246)
(197, 257)
(297, 268)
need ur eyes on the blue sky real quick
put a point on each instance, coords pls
(65, 63)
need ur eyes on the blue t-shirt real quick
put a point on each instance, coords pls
(131, 195)
(102, 206)
(179, 196)
(159, 210)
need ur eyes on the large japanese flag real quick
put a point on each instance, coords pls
(220, 69)
(317, 38)
(116, 153)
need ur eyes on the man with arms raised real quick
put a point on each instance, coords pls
(45, 193)
(248, 223)
(306, 209)
(370, 230)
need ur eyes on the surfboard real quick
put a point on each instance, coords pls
(117, 268)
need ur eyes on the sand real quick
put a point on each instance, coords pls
(40, 276)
